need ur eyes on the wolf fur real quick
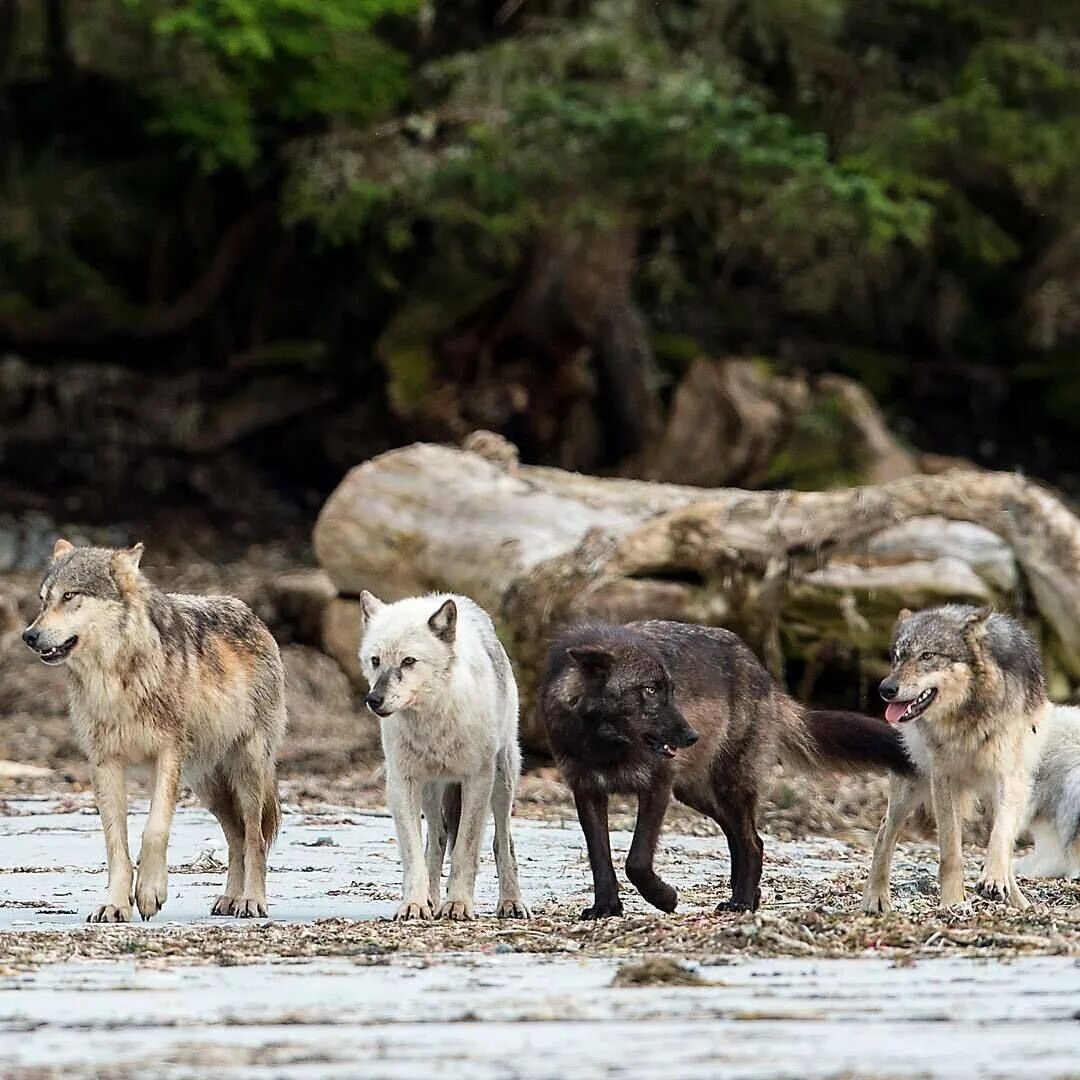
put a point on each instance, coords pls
(447, 701)
(661, 708)
(192, 685)
(1055, 803)
(967, 692)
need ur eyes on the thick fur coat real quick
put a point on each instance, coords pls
(967, 693)
(193, 686)
(660, 708)
(447, 702)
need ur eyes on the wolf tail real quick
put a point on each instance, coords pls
(271, 812)
(851, 742)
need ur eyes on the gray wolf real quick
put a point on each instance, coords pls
(1055, 802)
(192, 685)
(447, 702)
(967, 693)
(661, 708)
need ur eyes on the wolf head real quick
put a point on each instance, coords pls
(615, 698)
(935, 655)
(406, 650)
(83, 597)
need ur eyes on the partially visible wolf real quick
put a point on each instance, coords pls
(447, 702)
(1055, 800)
(656, 708)
(967, 692)
(191, 684)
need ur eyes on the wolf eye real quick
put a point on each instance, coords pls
(374, 661)
(926, 656)
(68, 597)
(649, 691)
(408, 661)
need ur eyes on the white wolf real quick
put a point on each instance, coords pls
(444, 691)
(1055, 802)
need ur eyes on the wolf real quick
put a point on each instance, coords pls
(447, 702)
(192, 685)
(1055, 801)
(660, 708)
(967, 692)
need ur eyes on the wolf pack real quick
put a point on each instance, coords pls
(194, 687)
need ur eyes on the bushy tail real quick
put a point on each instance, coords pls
(271, 813)
(851, 742)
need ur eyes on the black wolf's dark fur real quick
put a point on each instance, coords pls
(613, 697)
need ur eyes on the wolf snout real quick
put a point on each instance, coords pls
(374, 702)
(31, 637)
(889, 688)
(689, 737)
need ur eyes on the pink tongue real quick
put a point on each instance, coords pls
(895, 709)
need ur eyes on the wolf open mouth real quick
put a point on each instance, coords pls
(59, 653)
(899, 712)
(661, 748)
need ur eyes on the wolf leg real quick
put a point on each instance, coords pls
(249, 792)
(998, 882)
(950, 843)
(218, 797)
(652, 805)
(903, 796)
(110, 794)
(592, 810)
(152, 880)
(476, 792)
(432, 804)
(405, 796)
(747, 854)
(507, 767)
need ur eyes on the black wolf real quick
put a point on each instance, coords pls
(656, 708)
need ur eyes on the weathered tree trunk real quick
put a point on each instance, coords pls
(793, 572)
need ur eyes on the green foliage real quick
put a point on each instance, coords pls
(231, 68)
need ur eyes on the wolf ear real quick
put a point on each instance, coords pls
(61, 548)
(979, 615)
(594, 661)
(370, 604)
(905, 614)
(443, 623)
(125, 565)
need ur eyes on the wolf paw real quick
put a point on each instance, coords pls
(734, 905)
(991, 888)
(877, 903)
(110, 913)
(458, 910)
(414, 911)
(513, 909)
(151, 892)
(603, 909)
(245, 907)
(223, 905)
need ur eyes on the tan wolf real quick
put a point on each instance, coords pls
(967, 691)
(192, 685)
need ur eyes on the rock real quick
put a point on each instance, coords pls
(299, 600)
(341, 636)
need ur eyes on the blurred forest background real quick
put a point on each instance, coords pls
(245, 244)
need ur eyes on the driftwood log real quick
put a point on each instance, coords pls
(801, 575)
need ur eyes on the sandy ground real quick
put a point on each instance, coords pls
(330, 986)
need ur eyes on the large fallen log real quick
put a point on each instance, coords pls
(798, 574)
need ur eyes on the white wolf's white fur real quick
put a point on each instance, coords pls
(1055, 804)
(447, 703)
